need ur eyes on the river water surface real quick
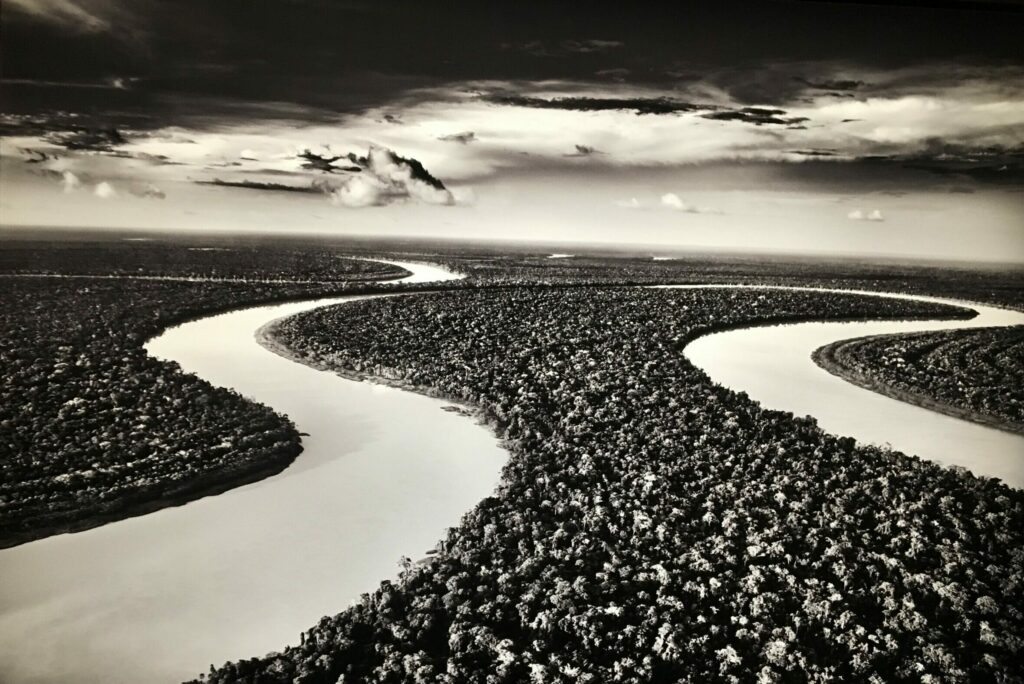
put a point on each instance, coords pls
(158, 598)
(773, 365)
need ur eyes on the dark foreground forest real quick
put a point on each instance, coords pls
(973, 374)
(654, 527)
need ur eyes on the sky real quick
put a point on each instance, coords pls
(825, 127)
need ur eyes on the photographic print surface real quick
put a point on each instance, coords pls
(352, 341)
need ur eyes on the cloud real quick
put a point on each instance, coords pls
(389, 177)
(104, 190)
(88, 139)
(640, 105)
(830, 84)
(816, 153)
(463, 196)
(68, 13)
(313, 188)
(584, 151)
(618, 74)
(672, 201)
(361, 191)
(526, 125)
(464, 137)
(70, 182)
(590, 46)
(858, 215)
(669, 201)
(316, 162)
(759, 116)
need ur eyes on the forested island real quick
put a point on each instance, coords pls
(976, 374)
(652, 526)
(94, 429)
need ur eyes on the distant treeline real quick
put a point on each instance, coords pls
(156, 259)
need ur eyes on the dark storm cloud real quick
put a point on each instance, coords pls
(33, 156)
(265, 187)
(839, 84)
(815, 153)
(88, 139)
(640, 105)
(182, 62)
(316, 162)
(584, 151)
(759, 116)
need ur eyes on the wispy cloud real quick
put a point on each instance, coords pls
(464, 138)
(669, 201)
(858, 215)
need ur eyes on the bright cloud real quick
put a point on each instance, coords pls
(104, 190)
(70, 182)
(388, 177)
(858, 215)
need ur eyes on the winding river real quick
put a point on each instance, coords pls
(159, 597)
(773, 365)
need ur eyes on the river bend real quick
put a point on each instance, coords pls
(160, 597)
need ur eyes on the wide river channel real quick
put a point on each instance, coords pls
(383, 473)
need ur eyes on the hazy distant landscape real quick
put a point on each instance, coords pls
(487, 343)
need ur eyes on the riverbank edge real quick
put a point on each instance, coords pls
(827, 358)
(266, 336)
(210, 484)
